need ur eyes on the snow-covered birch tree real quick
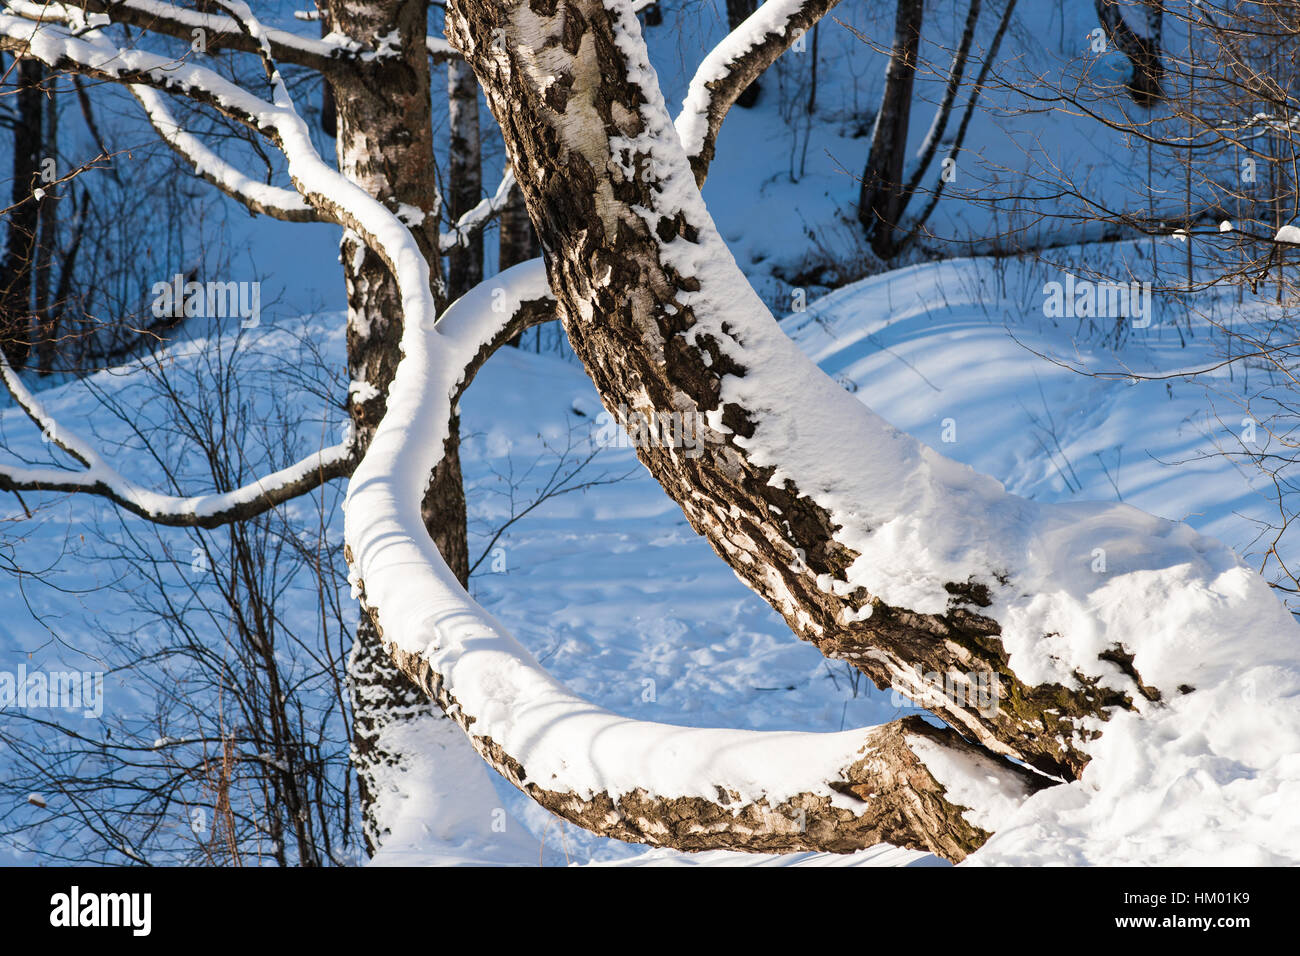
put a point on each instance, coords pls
(873, 547)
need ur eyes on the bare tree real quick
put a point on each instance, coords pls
(244, 757)
(1218, 186)
(384, 126)
(884, 197)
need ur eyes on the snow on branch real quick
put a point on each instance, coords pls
(90, 54)
(217, 31)
(60, 47)
(473, 221)
(735, 63)
(97, 477)
(612, 792)
(331, 194)
(440, 51)
(259, 197)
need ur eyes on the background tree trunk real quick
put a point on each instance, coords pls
(464, 176)
(1142, 50)
(880, 200)
(17, 268)
(329, 120)
(517, 242)
(47, 308)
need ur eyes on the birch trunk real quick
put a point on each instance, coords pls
(385, 144)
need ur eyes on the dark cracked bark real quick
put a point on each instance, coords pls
(560, 89)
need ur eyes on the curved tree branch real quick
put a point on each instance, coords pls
(732, 65)
(332, 195)
(872, 546)
(201, 511)
(258, 197)
(389, 547)
(91, 55)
